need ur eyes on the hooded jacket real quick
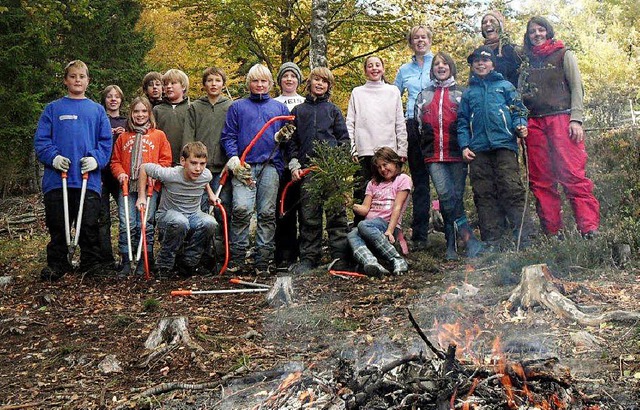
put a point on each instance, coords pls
(204, 123)
(244, 119)
(489, 111)
(317, 119)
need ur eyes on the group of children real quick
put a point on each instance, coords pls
(176, 149)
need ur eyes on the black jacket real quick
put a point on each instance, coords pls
(317, 119)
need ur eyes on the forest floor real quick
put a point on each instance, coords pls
(55, 336)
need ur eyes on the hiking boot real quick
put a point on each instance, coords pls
(451, 253)
(51, 274)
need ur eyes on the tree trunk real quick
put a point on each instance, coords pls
(318, 34)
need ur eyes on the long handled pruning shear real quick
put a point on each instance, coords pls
(72, 245)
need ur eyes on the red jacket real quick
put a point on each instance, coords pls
(437, 114)
(155, 149)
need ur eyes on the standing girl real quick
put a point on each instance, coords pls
(112, 98)
(141, 143)
(374, 119)
(384, 204)
(436, 113)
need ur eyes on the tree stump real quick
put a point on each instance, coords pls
(281, 293)
(536, 288)
(170, 331)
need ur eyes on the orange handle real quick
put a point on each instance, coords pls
(149, 187)
(64, 174)
(181, 292)
(347, 273)
(235, 280)
(262, 130)
(125, 187)
(303, 174)
(85, 175)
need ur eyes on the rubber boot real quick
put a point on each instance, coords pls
(449, 233)
(473, 245)
(125, 270)
(371, 265)
(390, 253)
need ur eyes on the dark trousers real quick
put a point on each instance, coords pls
(287, 225)
(89, 241)
(311, 230)
(110, 188)
(421, 196)
(495, 180)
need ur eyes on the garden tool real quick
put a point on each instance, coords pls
(343, 273)
(215, 292)
(72, 245)
(238, 281)
(142, 245)
(303, 173)
(525, 157)
(125, 194)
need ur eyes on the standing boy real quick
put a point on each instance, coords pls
(289, 77)
(172, 112)
(204, 123)
(179, 219)
(318, 120)
(255, 183)
(73, 137)
(490, 116)
(152, 87)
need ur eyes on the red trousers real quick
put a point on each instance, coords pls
(555, 158)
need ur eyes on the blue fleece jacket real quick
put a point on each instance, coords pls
(488, 113)
(73, 128)
(244, 119)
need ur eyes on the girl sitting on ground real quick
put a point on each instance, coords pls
(384, 204)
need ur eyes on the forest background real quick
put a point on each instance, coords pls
(121, 40)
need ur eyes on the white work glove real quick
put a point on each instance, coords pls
(241, 172)
(88, 164)
(61, 163)
(294, 165)
(285, 133)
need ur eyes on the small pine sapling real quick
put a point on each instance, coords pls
(332, 180)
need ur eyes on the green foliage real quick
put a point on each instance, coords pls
(331, 182)
(151, 305)
(37, 38)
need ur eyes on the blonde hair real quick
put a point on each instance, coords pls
(195, 148)
(176, 75)
(324, 73)
(259, 72)
(75, 64)
(107, 90)
(144, 101)
(413, 30)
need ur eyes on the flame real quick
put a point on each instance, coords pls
(501, 368)
(452, 333)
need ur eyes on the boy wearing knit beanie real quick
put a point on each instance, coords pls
(288, 78)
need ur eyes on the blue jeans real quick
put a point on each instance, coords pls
(368, 232)
(135, 223)
(420, 177)
(260, 198)
(449, 179)
(188, 231)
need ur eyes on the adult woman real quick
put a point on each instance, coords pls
(508, 56)
(414, 77)
(551, 89)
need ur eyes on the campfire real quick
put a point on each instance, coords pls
(455, 378)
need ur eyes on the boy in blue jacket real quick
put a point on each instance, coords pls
(255, 183)
(491, 117)
(73, 136)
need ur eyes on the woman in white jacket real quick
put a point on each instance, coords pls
(375, 119)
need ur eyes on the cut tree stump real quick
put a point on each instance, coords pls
(536, 288)
(171, 331)
(281, 293)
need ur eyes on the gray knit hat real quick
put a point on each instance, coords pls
(289, 66)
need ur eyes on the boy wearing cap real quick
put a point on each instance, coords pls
(490, 116)
(289, 78)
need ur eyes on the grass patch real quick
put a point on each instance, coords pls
(151, 305)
